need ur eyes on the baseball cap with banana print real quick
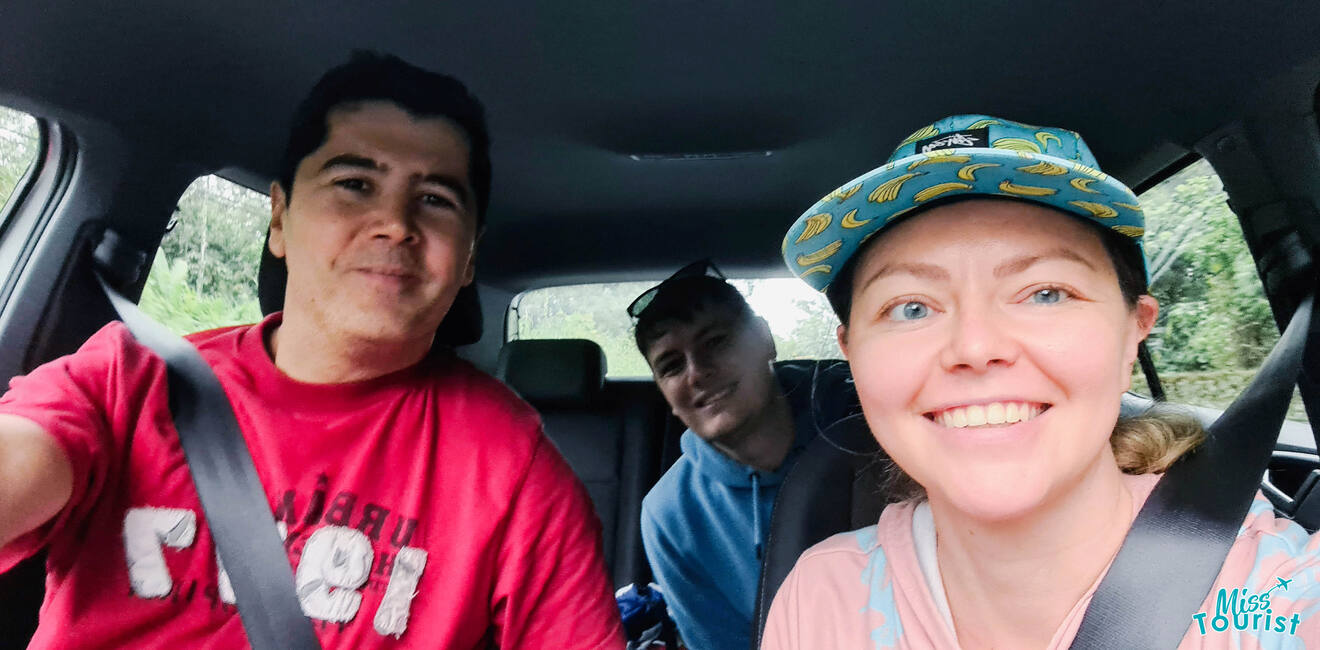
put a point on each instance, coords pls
(962, 155)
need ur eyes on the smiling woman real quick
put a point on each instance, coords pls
(992, 328)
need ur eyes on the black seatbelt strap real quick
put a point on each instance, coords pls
(233, 500)
(1179, 541)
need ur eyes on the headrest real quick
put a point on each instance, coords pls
(563, 372)
(461, 326)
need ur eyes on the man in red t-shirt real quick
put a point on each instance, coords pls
(420, 503)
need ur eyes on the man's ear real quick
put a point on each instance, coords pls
(279, 205)
(763, 331)
(470, 271)
(841, 333)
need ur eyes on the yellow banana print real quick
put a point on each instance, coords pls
(1097, 210)
(820, 255)
(850, 220)
(1016, 144)
(1044, 137)
(1043, 168)
(842, 194)
(1134, 208)
(1094, 173)
(981, 124)
(888, 190)
(968, 173)
(945, 158)
(1083, 184)
(920, 134)
(816, 224)
(1026, 190)
(936, 190)
(1130, 231)
(821, 268)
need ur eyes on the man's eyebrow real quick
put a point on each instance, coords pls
(1021, 264)
(352, 160)
(456, 185)
(925, 271)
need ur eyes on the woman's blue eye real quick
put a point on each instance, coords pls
(909, 311)
(1047, 296)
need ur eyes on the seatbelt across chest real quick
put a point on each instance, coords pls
(1179, 541)
(232, 497)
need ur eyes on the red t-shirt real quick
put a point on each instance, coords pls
(423, 508)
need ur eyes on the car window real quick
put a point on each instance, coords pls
(1215, 327)
(19, 139)
(205, 272)
(800, 319)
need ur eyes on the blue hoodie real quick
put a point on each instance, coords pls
(706, 520)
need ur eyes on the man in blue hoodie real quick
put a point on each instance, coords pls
(705, 521)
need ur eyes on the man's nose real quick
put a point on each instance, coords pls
(979, 339)
(700, 367)
(394, 217)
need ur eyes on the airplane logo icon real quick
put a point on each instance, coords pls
(1282, 583)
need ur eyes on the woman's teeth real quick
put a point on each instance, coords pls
(994, 413)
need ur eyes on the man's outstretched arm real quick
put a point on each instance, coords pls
(36, 479)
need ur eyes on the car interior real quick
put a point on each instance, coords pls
(628, 140)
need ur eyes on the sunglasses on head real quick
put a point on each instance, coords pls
(697, 269)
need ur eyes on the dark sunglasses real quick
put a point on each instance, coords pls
(697, 269)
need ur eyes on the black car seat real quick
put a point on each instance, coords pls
(609, 432)
(836, 486)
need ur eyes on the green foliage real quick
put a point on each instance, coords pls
(205, 273)
(18, 149)
(171, 299)
(1214, 315)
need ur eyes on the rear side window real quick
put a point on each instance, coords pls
(19, 139)
(1215, 327)
(205, 273)
(800, 319)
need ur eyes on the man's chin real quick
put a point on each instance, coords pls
(388, 330)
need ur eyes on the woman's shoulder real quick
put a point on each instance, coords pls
(865, 547)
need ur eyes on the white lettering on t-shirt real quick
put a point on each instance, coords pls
(146, 530)
(224, 586)
(336, 560)
(335, 563)
(392, 615)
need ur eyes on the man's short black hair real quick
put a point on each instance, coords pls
(680, 300)
(421, 93)
(1123, 252)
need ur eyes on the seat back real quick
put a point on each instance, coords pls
(609, 432)
(835, 486)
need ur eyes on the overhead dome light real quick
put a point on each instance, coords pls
(725, 155)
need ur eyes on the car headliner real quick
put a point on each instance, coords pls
(632, 137)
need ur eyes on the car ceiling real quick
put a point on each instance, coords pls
(630, 137)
